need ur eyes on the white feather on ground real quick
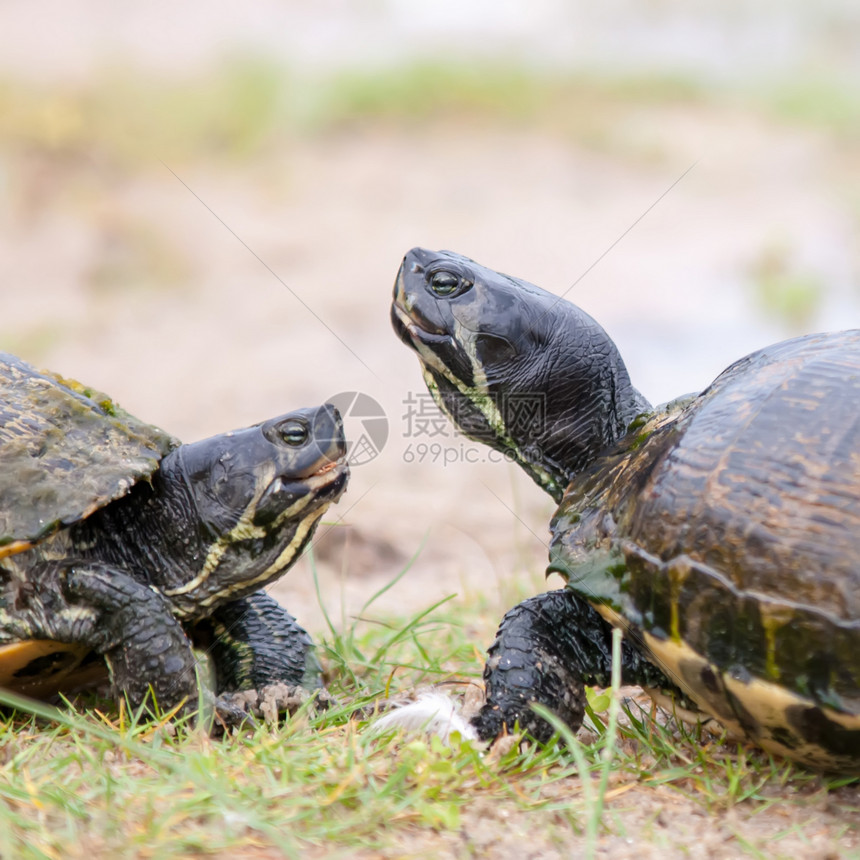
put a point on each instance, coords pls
(433, 713)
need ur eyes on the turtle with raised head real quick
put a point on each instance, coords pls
(121, 548)
(721, 532)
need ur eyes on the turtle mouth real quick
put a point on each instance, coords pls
(326, 485)
(333, 475)
(413, 334)
(402, 323)
(329, 467)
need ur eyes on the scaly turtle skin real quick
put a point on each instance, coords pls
(721, 533)
(120, 546)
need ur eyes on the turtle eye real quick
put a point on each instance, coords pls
(293, 432)
(447, 283)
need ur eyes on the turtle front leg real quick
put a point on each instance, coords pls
(546, 650)
(263, 659)
(132, 626)
(255, 642)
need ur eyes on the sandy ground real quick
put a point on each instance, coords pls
(205, 298)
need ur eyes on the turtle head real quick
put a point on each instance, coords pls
(247, 502)
(512, 365)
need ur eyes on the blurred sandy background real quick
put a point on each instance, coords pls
(202, 209)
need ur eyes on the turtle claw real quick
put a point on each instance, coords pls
(270, 702)
(229, 712)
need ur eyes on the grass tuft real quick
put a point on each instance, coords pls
(94, 783)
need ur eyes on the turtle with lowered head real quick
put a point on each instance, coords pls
(720, 533)
(122, 549)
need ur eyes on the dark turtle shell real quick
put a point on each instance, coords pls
(724, 534)
(65, 451)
